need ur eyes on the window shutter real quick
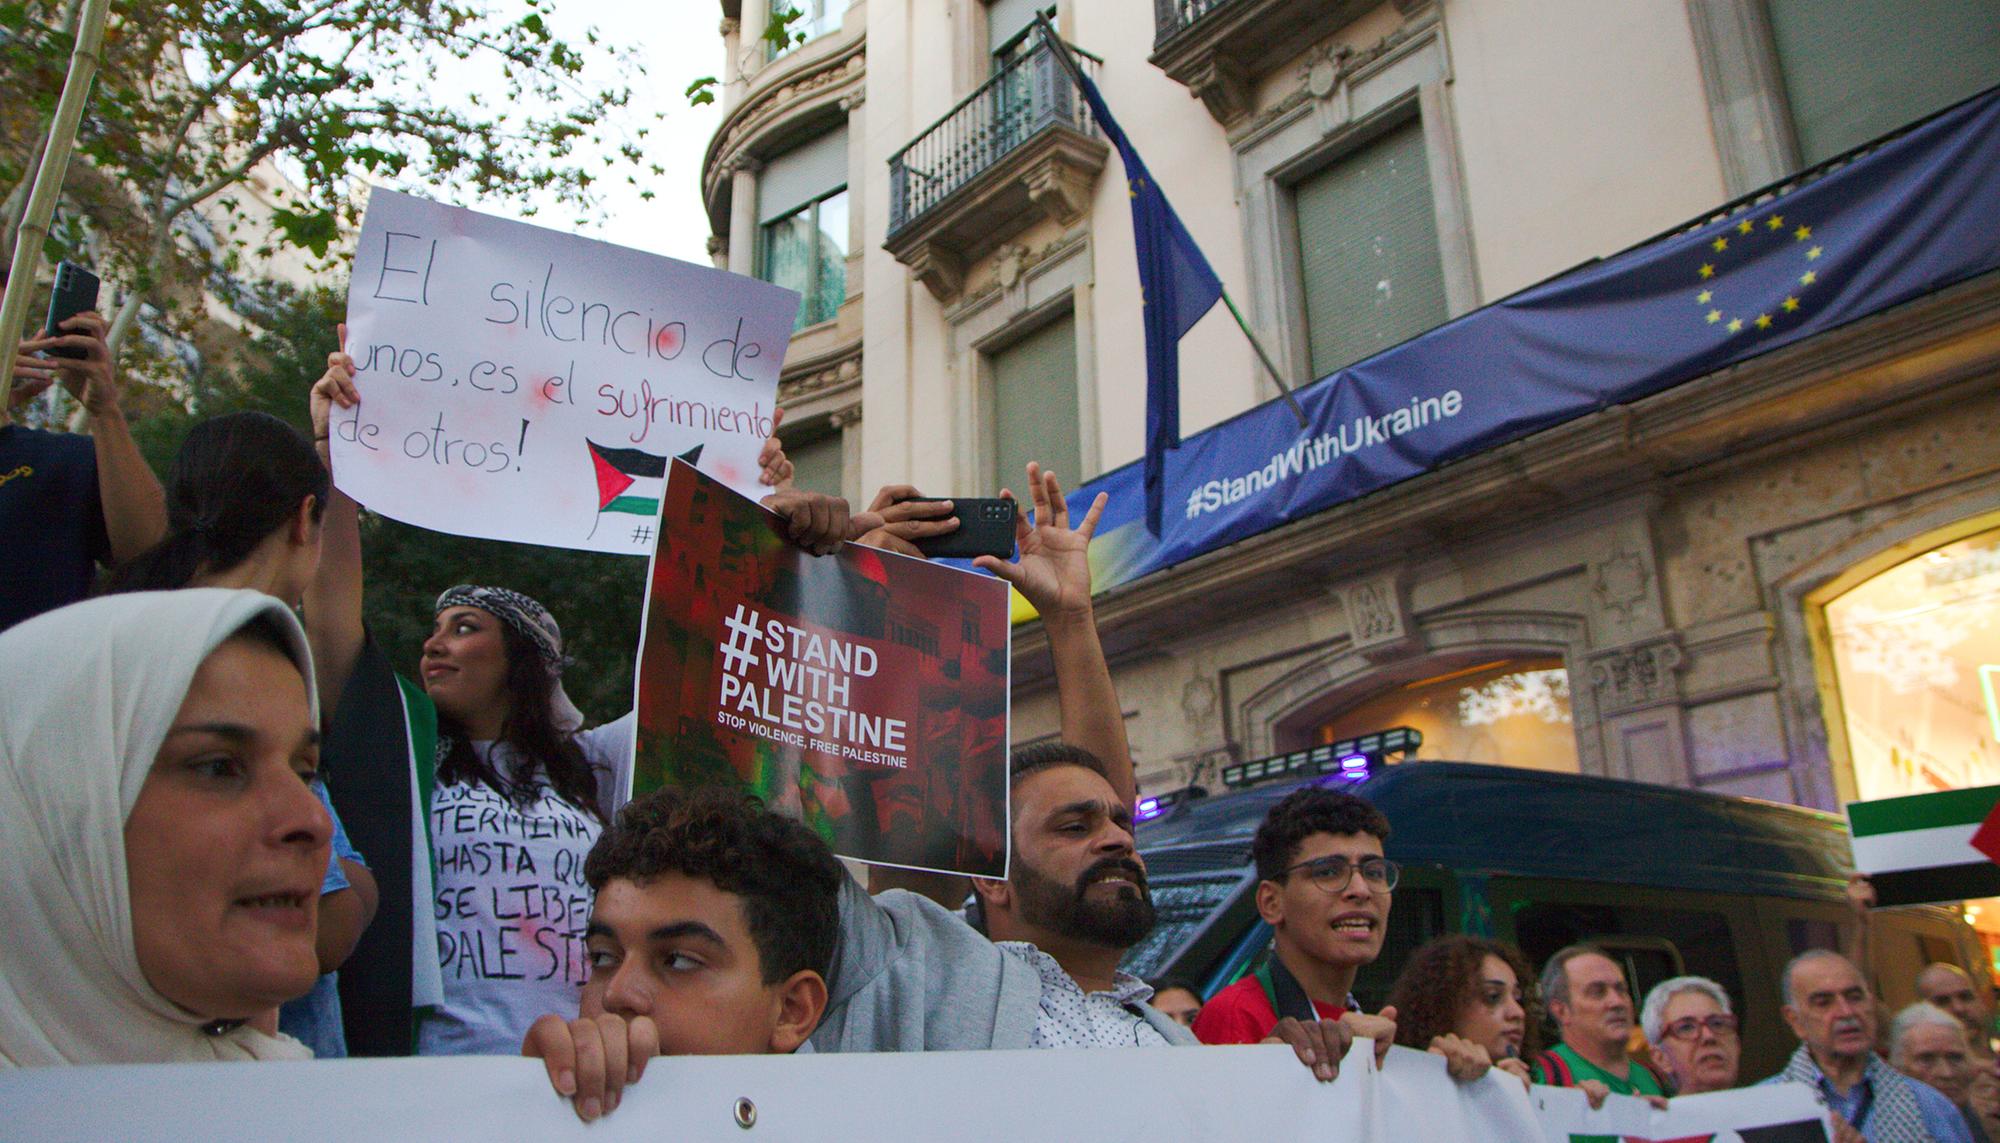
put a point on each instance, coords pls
(1035, 408)
(816, 464)
(1368, 251)
(1862, 68)
(802, 174)
(1006, 19)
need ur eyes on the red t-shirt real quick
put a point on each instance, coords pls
(1242, 1014)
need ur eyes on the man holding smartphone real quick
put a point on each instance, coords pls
(69, 502)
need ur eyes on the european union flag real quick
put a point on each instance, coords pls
(1176, 287)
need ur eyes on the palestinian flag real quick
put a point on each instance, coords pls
(629, 480)
(1928, 847)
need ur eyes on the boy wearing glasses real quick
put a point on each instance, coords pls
(1324, 888)
(1693, 1033)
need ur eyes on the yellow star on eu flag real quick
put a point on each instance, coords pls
(1802, 233)
(1791, 304)
(1808, 278)
(1745, 227)
(1720, 245)
(1704, 297)
(1763, 321)
(1814, 253)
(1777, 222)
(1714, 316)
(1707, 270)
(1735, 325)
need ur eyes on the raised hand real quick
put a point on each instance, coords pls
(591, 1059)
(334, 387)
(1053, 572)
(90, 378)
(774, 468)
(905, 520)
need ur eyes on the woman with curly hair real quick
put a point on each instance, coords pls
(1460, 990)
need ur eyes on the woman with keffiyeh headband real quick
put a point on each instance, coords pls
(497, 791)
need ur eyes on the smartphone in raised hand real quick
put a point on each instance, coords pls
(985, 528)
(75, 293)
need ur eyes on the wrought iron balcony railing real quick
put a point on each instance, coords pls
(1031, 93)
(1173, 16)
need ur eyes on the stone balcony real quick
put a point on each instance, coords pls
(1219, 49)
(1019, 148)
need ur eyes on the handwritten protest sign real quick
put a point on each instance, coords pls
(521, 384)
(864, 692)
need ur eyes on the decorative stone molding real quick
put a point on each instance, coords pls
(1637, 675)
(853, 99)
(1622, 584)
(939, 267)
(843, 417)
(1060, 187)
(730, 26)
(822, 376)
(1224, 87)
(1378, 618)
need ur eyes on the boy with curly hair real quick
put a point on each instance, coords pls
(712, 933)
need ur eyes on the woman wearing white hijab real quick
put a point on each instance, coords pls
(160, 889)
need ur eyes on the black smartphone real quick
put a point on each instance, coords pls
(985, 528)
(75, 293)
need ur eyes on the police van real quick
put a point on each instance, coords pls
(1669, 881)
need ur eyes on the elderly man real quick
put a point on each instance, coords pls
(1587, 995)
(1928, 1044)
(1830, 1010)
(1948, 987)
(1692, 1030)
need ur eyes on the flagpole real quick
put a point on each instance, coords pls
(1068, 62)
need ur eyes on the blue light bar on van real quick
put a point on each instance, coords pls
(1352, 757)
(1155, 805)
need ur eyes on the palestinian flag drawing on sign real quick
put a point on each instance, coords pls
(1928, 847)
(629, 480)
(1802, 1131)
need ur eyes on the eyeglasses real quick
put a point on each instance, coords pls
(1332, 874)
(1689, 1027)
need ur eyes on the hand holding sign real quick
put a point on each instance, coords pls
(527, 385)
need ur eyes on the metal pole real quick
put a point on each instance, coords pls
(1061, 51)
(48, 186)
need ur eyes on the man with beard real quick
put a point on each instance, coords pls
(1591, 1003)
(1073, 902)
(1323, 887)
(1831, 1011)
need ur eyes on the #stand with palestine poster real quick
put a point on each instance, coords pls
(864, 692)
(1929, 847)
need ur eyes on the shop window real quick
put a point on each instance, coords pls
(1510, 712)
(1916, 663)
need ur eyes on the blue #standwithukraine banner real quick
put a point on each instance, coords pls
(1910, 217)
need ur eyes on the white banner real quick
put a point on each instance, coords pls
(1774, 1113)
(523, 384)
(1147, 1095)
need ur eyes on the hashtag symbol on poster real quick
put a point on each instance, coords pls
(1194, 503)
(641, 534)
(737, 653)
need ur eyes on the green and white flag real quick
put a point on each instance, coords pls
(1928, 847)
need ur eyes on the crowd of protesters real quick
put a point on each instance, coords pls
(180, 887)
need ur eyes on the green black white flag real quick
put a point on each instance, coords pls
(1928, 847)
